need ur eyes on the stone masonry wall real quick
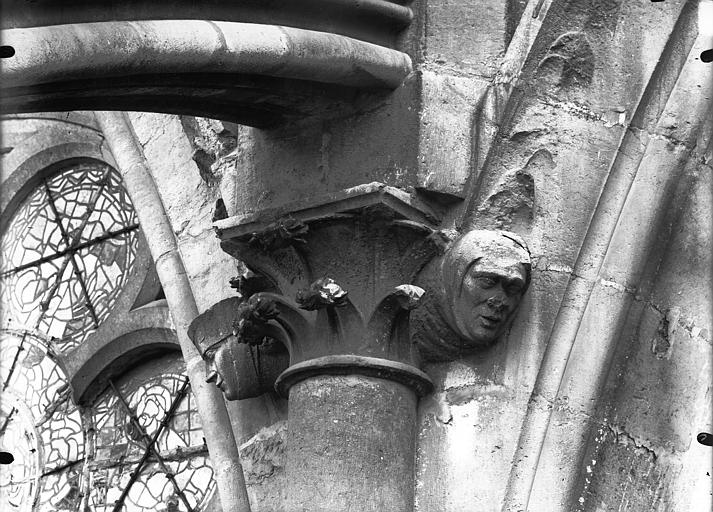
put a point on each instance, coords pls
(589, 96)
(582, 125)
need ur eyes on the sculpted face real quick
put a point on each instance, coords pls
(220, 362)
(490, 294)
(485, 274)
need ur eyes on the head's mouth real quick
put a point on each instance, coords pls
(491, 321)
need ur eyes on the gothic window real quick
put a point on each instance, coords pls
(66, 253)
(150, 452)
(41, 426)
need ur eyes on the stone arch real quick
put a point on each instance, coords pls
(31, 160)
(254, 74)
(116, 356)
(35, 159)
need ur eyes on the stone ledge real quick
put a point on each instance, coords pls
(376, 21)
(392, 201)
(96, 50)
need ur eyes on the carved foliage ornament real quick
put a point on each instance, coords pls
(252, 315)
(322, 293)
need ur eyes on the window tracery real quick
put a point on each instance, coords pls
(67, 252)
(148, 426)
(42, 425)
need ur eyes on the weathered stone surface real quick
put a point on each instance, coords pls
(446, 149)
(263, 458)
(328, 156)
(348, 437)
(589, 136)
(188, 201)
(464, 37)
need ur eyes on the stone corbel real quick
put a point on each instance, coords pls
(474, 289)
(242, 345)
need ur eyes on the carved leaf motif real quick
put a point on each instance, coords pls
(409, 295)
(322, 293)
(253, 315)
(249, 283)
(280, 234)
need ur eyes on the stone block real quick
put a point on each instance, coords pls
(263, 459)
(446, 125)
(277, 166)
(465, 36)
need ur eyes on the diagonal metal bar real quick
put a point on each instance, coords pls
(83, 285)
(8, 418)
(151, 441)
(10, 372)
(58, 469)
(91, 204)
(73, 249)
(69, 242)
(45, 303)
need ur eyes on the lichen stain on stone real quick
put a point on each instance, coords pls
(623, 438)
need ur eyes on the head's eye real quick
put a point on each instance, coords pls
(209, 354)
(486, 282)
(514, 289)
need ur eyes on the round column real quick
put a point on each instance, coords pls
(351, 428)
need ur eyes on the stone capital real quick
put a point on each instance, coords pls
(340, 269)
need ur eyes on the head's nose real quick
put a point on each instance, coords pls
(212, 373)
(497, 303)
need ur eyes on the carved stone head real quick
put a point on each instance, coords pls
(485, 274)
(212, 333)
(241, 358)
(476, 286)
(222, 365)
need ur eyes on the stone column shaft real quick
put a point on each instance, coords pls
(350, 445)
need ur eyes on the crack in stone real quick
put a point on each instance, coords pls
(685, 322)
(623, 438)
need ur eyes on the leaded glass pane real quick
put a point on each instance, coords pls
(121, 444)
(18, 481)
(66, 254)
(43, 428)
